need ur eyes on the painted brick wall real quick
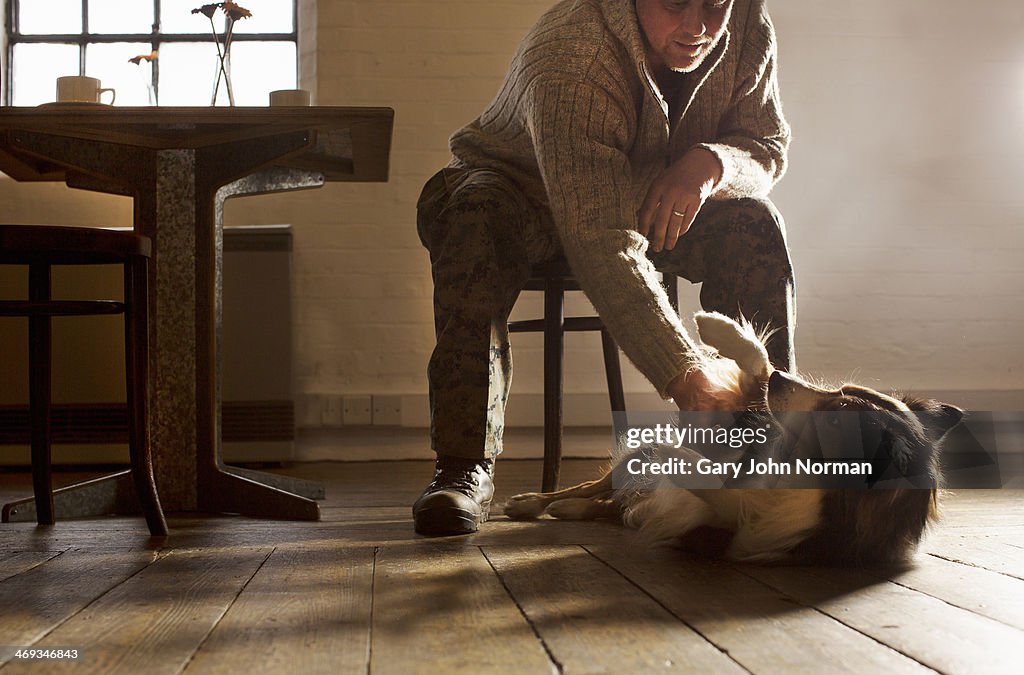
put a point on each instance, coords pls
(363, 313)
(904, 196)
(902, 199)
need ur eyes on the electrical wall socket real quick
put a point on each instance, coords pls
(387, 411)
(331, 411)
(356, 410)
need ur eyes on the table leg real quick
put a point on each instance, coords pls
(222, 488)
(269, 181)
(179, 197)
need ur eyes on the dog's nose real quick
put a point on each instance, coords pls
(780, 382)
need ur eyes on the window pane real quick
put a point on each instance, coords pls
(36, 69)
(187, 72)
(109, 63)
(119, 17)
(54, 17)
(268, 16)
(258, 68)
(176, 17)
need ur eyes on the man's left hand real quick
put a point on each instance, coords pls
(676, 197)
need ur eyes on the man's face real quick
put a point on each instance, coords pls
(681, 33)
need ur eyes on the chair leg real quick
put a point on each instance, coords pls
(613, 372)
(136, 337)
(554, 339)
(39, 348)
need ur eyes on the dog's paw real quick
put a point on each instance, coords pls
(526, 506)
(734, 341)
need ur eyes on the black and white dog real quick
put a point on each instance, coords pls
(820, 525)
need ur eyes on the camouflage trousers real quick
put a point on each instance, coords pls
(484, 236)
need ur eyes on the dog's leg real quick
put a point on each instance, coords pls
(533, 504)
(580, 508)
(734, 341)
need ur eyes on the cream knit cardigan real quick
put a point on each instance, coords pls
(583, 128)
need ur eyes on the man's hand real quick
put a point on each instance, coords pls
(693, 391)
(676, 197)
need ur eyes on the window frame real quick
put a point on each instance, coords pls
(154, 38)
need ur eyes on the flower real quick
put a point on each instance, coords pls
(235, 11)
(137, 60)
(232, 10)
(207, 10)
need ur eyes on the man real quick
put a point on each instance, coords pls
(628, 135)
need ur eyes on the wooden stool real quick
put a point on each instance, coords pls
(554, 278)
(41, 247)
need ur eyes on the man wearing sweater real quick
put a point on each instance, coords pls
(628, 136)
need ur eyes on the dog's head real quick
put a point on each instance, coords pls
(901, 436)
(901, 433)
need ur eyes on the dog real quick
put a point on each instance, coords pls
(830, 526)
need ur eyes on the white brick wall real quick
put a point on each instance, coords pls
(902, 199)
(363, 312)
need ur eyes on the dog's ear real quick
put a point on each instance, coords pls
(938, 418)
(733, 340)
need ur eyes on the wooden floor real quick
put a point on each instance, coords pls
(359, 592)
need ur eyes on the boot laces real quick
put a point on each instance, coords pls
(461, 476)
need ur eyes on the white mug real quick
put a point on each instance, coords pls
(79, 89)
(289, 97)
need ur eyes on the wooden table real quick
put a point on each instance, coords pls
(179, 165)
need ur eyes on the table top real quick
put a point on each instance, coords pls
(352, 143)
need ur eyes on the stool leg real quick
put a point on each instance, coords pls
(39, 349)
(613, 372)
(554, 339)
(136, 336)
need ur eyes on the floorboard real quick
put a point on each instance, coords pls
(997, 596)
(764, 629)
(441, 608)
(16, 562)
(926, 629)
(40, 600)
(153, 621)
(588, 614)
(360, 592)
(305, 610)
(985, 550)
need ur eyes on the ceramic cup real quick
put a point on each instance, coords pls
(289, 97)
(77, 89)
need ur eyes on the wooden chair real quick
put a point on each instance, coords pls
(554, 278)
(40, 247)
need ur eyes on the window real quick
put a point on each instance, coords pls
(47, 39)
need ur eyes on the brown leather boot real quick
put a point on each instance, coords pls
(458, 499)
